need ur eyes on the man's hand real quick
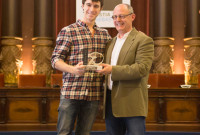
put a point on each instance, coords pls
(107, 69)
(79, 69)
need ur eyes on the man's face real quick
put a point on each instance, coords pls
(123, 24)
(91, 10)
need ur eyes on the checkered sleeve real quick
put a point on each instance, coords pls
(63, 43)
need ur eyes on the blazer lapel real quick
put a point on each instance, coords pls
(127, 44)
(109, 50)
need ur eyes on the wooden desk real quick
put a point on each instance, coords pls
(174, 109)
(35, 109)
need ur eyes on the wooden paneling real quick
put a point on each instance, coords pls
(166, 80)
(3, 110)
(56, 80)
(38, 80)
(35, 109)
(24, 109)
(186, 111)
(141, 8)
(1, 80)
(52, 112)
(152, 111)
(173, 109)
(20, 110)
(62, 14)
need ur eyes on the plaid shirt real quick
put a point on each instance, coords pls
(69, 44)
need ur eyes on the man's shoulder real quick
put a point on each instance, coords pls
(72, 26)
(102, 29)
(142, 34)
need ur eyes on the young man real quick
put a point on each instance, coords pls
(81, 90)
(129, 57)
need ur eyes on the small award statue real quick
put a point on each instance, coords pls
(92, 60)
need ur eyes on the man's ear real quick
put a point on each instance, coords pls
(133, 17)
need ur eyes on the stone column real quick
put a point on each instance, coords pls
(43, 37)
(192, 40)
(161, 31)
(11, 41)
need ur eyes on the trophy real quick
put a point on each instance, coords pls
(93, 60)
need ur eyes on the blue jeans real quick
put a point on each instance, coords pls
(122, 125)
(71, 110)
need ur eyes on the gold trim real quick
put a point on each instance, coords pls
(192, 38)
(164, 42)
(192, 41)
(11, 42)
(42, 43)
(42, 38)
(163, 38)
(8, 37)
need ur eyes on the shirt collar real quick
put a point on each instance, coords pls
(85, 25)
(125, 35)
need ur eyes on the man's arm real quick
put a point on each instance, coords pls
(64, 67)
(140, 68)
(61, 49)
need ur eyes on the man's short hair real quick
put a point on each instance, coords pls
(130, 8)
(101, 1)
